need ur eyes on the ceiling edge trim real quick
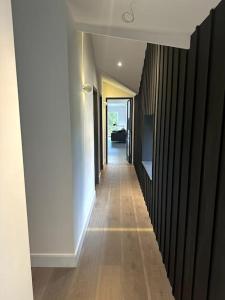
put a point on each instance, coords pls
(172, 39)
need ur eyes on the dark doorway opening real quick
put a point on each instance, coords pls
(101, 132)
(96, 134)
(130, 130)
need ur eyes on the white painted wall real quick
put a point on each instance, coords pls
(42, 64)
(53, 61)
(81, 70)
(15, 272)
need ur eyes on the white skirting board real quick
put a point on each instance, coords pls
(62, 260)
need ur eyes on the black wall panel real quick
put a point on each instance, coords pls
(162, 135)
(217, 271)
(185, 91)
(166, 148)
(177, 164)
(211, 154)
(197, 154)
(170, 170)
(185, 167)
(157, 139)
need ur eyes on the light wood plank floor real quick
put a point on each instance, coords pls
(120, 259)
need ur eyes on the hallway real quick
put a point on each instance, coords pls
(120, 257)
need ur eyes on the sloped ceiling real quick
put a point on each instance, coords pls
(166, 22)
(108, 51)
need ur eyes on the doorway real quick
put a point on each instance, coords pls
(119, 120)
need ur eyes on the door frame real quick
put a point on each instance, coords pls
(106, 117)
(101, 131)
(130, 146)
(96, 133)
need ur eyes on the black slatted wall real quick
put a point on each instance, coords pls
(185, 91)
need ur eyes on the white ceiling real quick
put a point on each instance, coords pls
(109, 50)
(166, 22)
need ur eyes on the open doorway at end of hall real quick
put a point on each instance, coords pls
(119, 120)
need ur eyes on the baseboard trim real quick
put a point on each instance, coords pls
(63, 260)
(82, 236)
(53, 260)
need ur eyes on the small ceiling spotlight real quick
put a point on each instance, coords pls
(128, 16)
(119, 64)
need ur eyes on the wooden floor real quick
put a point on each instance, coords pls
(116, 153)
(120, 257)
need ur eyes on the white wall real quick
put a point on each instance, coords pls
(53, 61)
(81, 70)
(42, 64)
(15, 273)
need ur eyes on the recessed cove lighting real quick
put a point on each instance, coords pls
(119, 64)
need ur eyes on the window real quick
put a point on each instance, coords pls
(113, 121)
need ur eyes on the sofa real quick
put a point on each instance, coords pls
(119, 136)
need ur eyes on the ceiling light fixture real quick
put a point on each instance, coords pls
(87, 88)
(119, 64)
(128, 16)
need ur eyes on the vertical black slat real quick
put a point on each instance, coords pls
(177, 162)
(151, 77)
(217, 271)
(148, 81)
(154, 79)
(150, 189)
(156, 62)
(154, 145)
(145, 189)
(196, 155)
(145, 89)
(154, 142)
(188, 117)
(158, 134)
(146, 106)
(149, 195)
(166, 149)
(162, 129)
(211, 155)
(149, 71)
(173, 119)
(143, 84)
(141, 109)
